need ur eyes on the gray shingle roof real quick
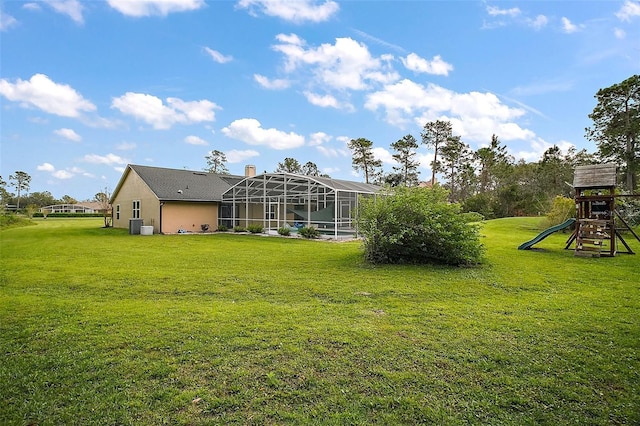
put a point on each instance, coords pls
(187, 185)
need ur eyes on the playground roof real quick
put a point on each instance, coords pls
(595, 176)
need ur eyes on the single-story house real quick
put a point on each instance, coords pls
(81, 207)
(175, 200)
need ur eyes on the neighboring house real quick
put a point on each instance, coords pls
(82, 207)
(170, 200)
(174, 200)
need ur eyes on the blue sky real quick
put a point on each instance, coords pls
(88, 87)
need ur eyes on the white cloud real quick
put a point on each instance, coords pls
(58, 174)
(217, 56)
(345, 65)
(330, 170)
(569, 27)
(31, 6)
(325, 101)
(496, 11)
(474, 115)
(629, 10)
(436, 66)
(195, 140)
(7, 21)
(109, 159)
(51, 97)
(102, 123)
(46, 167)
(514, 15)
(62, 174)
(272, 84)
(239, 156)
(537, 23)
(250, 131)
(384, 155)
(537, 148)
(403, 99)
(126, 146)
(619, 34)
(71, 8)
(295, 11)
(328, 151)
(153, 111)
(481, 129)
(425, 159)
(318, 138)
(68, 134)
(139, 8)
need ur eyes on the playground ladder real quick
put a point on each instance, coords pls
(591, 237)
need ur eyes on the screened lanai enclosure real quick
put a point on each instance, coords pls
(276, 200)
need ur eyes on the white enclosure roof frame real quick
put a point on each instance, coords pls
(293, 189)
(272, 185)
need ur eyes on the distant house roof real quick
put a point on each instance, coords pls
(595, 176)
(180, 184)
(81, 207)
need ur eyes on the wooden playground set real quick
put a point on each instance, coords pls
(598, 225)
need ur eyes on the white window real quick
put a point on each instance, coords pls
(118, 212)
(135, 211)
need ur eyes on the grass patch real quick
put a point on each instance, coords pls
(98, 326)
(13, 221)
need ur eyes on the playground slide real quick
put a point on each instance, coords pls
(544, 234)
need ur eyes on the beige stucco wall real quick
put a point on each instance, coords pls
(188, 216)
(134, 188)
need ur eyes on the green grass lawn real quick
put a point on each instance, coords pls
(101, 327)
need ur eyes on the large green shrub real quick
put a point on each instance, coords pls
(417, 225)
(562, 209)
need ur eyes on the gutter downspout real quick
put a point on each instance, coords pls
(160, 226)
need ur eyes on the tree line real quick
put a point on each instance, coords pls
(491, 182)
(488, 180)
(20, 181)
(216, 163)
